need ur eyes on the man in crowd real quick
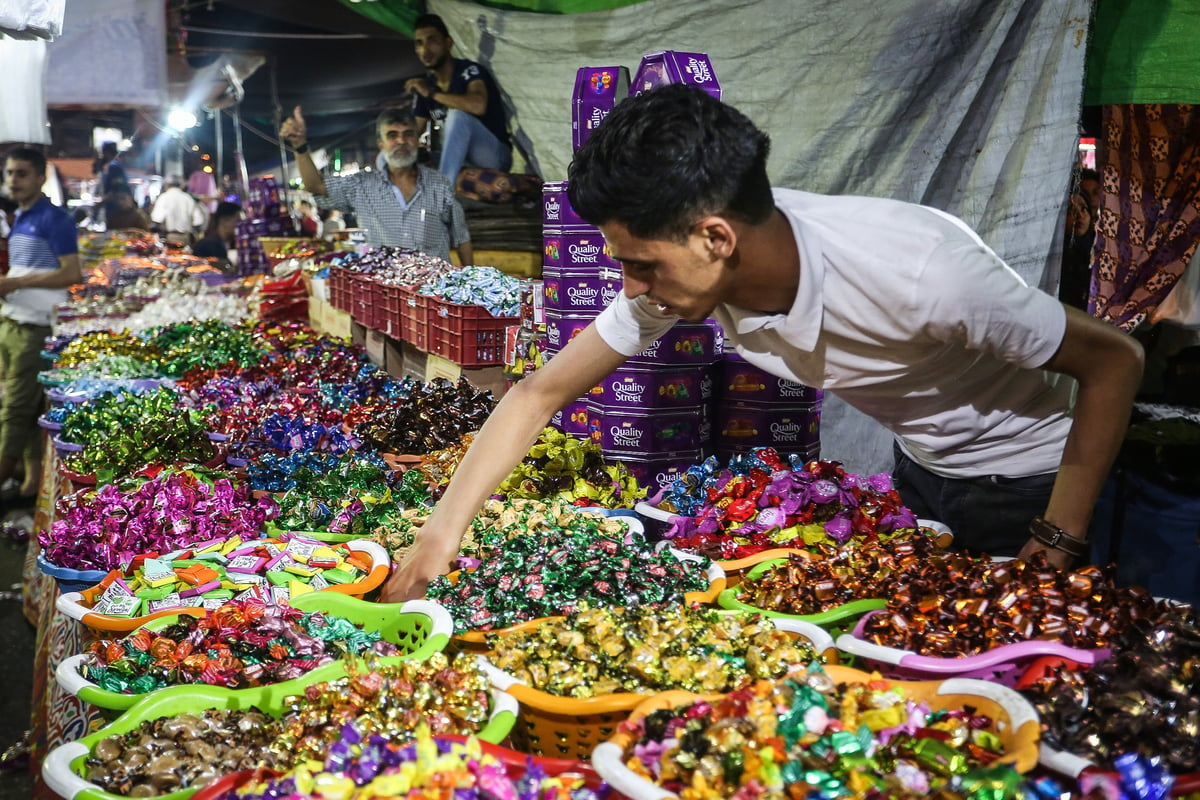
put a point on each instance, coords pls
(43, 262)
(177, 213)
(401, 203)
(919, 325)
(463, 96)
(220, 236)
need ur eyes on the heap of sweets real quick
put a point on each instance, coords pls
(429, 417)
(210, 343)
(185, 751)
(361, 767)
(804, 734)
(242, 643)
(499, 520)
(488, 287)
(91, 346)
(1145, 699)
(759, 502)
(209, 575)
(449, 695)
(560, 571)
(351, 497)
(950, 607)
(107, 528)
(603, 651)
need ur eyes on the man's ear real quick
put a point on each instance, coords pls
(720, 239)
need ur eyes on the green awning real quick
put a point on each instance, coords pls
(1144, 51)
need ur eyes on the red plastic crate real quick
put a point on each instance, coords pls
(467, 335)
(414, 308)
(392, 320)
(337, 288)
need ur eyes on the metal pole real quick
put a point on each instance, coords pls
(243, 174)
(284, 183)
(220, 141)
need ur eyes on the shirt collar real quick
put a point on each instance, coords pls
(801, 325)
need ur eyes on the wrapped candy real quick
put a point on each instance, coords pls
(426, 418)
(496, 291)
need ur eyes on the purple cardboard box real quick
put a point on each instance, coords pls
(585, 249)
(551, 249)
(686, 343)
(665, 431)
(562, 328)
(579, 292)
(660, 470)
(741, 381)
(556, 207)
(634, 388)
(792, 429)
(671, 66)
(597, 92)
(572, 419)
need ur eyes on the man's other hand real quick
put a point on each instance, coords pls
(420, 86)
(294, 130)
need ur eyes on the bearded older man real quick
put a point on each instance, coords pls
(401, 203)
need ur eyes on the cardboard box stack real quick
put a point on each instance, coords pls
(266, 215)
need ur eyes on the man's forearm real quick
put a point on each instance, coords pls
(466, 254)
(470, 103)
(310, 175)
(60, 278)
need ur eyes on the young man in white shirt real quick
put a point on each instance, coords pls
(899, 309)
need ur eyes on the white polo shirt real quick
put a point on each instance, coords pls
(904, 313)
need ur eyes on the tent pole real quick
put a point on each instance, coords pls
(220, 142)
(239, 155)
(284, 183)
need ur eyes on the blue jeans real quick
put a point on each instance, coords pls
(990, 514)
(466, 140)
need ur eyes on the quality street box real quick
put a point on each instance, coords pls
(672, 66)
(597, 92)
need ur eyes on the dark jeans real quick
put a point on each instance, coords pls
(990, 514)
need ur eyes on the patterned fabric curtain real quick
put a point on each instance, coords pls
(1149, 223)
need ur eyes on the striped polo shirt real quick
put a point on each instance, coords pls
(40, 236)
(432, 221)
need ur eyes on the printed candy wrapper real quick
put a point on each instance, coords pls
(638, 388)
(579, 291)
(623, 433)
(577, 249)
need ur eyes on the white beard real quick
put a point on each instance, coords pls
(401, 162)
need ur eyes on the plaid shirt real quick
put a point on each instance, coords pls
(432, 223)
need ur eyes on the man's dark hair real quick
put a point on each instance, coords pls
(108, 150)
(431, 21)
(31, 156)
(225, 210)
(393, 116)
(662, 160)
(1089, 174)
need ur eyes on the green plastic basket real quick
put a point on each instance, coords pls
(419, 628)
(836, 620)
(64, 766)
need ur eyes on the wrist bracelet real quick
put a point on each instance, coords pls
(300, 149)
(1055, 537)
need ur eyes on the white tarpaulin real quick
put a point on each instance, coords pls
(112, 53)
(971, 106)
(23, 112)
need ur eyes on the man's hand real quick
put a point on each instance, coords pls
(294, 130)
(1054, 556)
(8, 285)
(420, 86)
(424, 562)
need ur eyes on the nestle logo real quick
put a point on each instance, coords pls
(699, 70)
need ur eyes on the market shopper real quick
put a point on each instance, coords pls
(401, 203)
(177, 213)
(918, 324)
(43, 262)
(222, 230)
(463, 97)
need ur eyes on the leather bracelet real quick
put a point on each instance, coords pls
(300, 149)
(1053, 536)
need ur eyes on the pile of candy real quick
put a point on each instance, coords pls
(561, 571)
(210, 343)
(211, 574)
(108, 368)
(496, 291)
(429, 417)
(1146, 698)
(398, 266)
(185, 751)
(498, 521)
(635, 649)
(804, 737)
(759, 502)
(359, 767)
(107, 528)
(121, 433)
(449, 695)
(952, 606)
(98, 344)
(351, 496)
(561, 467)
(239, 644)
